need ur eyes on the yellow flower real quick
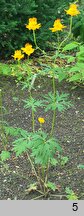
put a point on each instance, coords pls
(41, 120)
(57, 26)
(73, 11)
(28, 49)
(33, 25)
(18, 55)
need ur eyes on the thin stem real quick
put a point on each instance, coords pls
(33, 121)
(37, 47)
(43, 173)
(34, 170)
(47, 171)
(61, 195)
(69, 34)
(35, 39)
(58, 40)
(53, 122)
(54, 112)
(38, 197)
(70, 25)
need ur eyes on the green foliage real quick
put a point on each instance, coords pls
(64, 160)
(70, 194)
(51, 186)
(5, 69)
(5, 155)
(78, 24)
(42, 148)
(47, 12)
(81, 166)
(70, 46)
(76, 71)
(80, 54)
(60, 101)
(33, 103)
(21, 145)
(73, 71)
(15, 131)
(13, 33)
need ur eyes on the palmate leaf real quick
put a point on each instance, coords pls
(64, 160)
(33, 104)
(15, 131)
(50, 102)
(59, 102)
(21, 145)
(51, 185)
(62, 101)
(43, 149)
(70, 194)
(53, 162)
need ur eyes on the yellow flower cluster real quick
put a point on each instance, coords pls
(73, 11)
(33, 25)
(18, 55)
(57, 26)
(41, 120)
(28, 49)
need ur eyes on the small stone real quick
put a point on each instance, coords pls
(4, 180)
(14, 171)
(76, 112)
(39, 86)
(17, 166)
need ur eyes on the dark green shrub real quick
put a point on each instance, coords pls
(78, 24)
(47, 12)
(13, 17)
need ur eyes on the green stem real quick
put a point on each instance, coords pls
(35, 39)
(54, 112)
(47, 171)
(33, 121)
(69, 34)
(58, 40)
(37, 47)
(70, 25)
(53, 122)
(43, 173)
(34, 170)
(66, 38)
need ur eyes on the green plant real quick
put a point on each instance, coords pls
(41, 148)
(70, 194)
(81, 166)
(76, 69)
